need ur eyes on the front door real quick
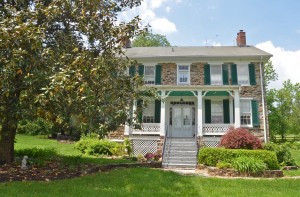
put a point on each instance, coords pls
(182, 121)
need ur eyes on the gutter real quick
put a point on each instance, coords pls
(263, 99)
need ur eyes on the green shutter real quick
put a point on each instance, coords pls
(158, 75)
(225, 74)
(207, 74)
(140, 111)
(132, 70)
(226, 114)
(234, 77)
(207, 111)
(141, 70)
(252, 74)
(255, 115)
(157, 111)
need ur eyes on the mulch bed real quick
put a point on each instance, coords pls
(58, 171)
(50, 171)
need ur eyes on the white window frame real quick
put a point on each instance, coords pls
(148, 115)
(244, 82)
(152, 77)
(181, 72)
(249, 113)
(211, 75)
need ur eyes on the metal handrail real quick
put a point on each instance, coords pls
(164, 146)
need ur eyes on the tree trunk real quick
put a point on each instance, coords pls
(7, 138)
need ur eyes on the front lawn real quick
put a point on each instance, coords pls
(296, 156)
(65, 150)
(152, 182)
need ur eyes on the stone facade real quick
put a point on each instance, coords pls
(169, 74)
(117, 134)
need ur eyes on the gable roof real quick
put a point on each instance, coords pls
(197, 53)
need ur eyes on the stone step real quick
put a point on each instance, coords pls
(178, 165)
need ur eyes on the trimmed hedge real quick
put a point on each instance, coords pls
(211, 156)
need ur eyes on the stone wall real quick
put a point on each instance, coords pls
(117, 134)
(169, 74)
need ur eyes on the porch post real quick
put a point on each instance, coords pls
(127, 129)
(162, 113)
(199, 113)
(231, 109)
(237, 111)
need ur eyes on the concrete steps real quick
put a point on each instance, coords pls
(180, 153)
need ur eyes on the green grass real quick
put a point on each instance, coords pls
(296, 156)
(64, 150)
(150, 182)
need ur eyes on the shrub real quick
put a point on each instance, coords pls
(36, 156)
(283, 153)
(96, 147)
(39, 126)
(240, 138)
(211, 156)
(223, 165)
(249, 165)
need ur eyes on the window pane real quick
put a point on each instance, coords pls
(243, 74)
(149, 75)
(183, 74)
(245, 112)
(216, 112)
(216, 75)
(148, 112)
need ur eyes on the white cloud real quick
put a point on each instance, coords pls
(146, 11)
(163, 26)
(168, 9)
(286, 63)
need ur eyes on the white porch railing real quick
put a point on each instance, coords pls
(147, 129)
(215, 129)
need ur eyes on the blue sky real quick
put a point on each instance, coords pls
(271, 25)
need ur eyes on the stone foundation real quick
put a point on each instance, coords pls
(117, 134)
(213, 171)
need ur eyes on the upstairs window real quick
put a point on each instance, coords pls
(216, 75)
(243, 74)
(149, 75)
(183, 77)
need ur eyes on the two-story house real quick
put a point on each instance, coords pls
(202, 92)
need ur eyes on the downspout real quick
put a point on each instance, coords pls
(263, 100)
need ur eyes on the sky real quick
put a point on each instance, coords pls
(271, 25)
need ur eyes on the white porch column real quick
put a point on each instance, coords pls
(127, 129)
(199, 114)
(231, 109)
(237, 111)
(162, 114)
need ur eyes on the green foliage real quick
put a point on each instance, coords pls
(151, 40)
(282, 151)
(249, 165)
(240, 138)
(223, 165)
(36, 152)
(269, 73)
(99, 147)
(128, 146)
(36, 127)
(211, 156)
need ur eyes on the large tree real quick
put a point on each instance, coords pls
(69, 53)
(151, 40)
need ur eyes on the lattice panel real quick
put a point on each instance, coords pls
(143, 146)
(210, 129)
(211, 144)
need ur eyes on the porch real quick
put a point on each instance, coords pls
(155, 129)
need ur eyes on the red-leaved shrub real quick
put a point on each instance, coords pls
(240, 138)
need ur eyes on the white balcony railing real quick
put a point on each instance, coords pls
(147, 129)
(216, 129)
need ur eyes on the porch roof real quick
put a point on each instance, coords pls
(197, 53)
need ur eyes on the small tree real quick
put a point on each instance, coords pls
(240, 138)
(151, 40)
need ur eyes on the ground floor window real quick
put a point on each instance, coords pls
(217, 112)
(245, 112)
(148, 112)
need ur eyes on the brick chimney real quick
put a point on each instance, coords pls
(241, 39)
